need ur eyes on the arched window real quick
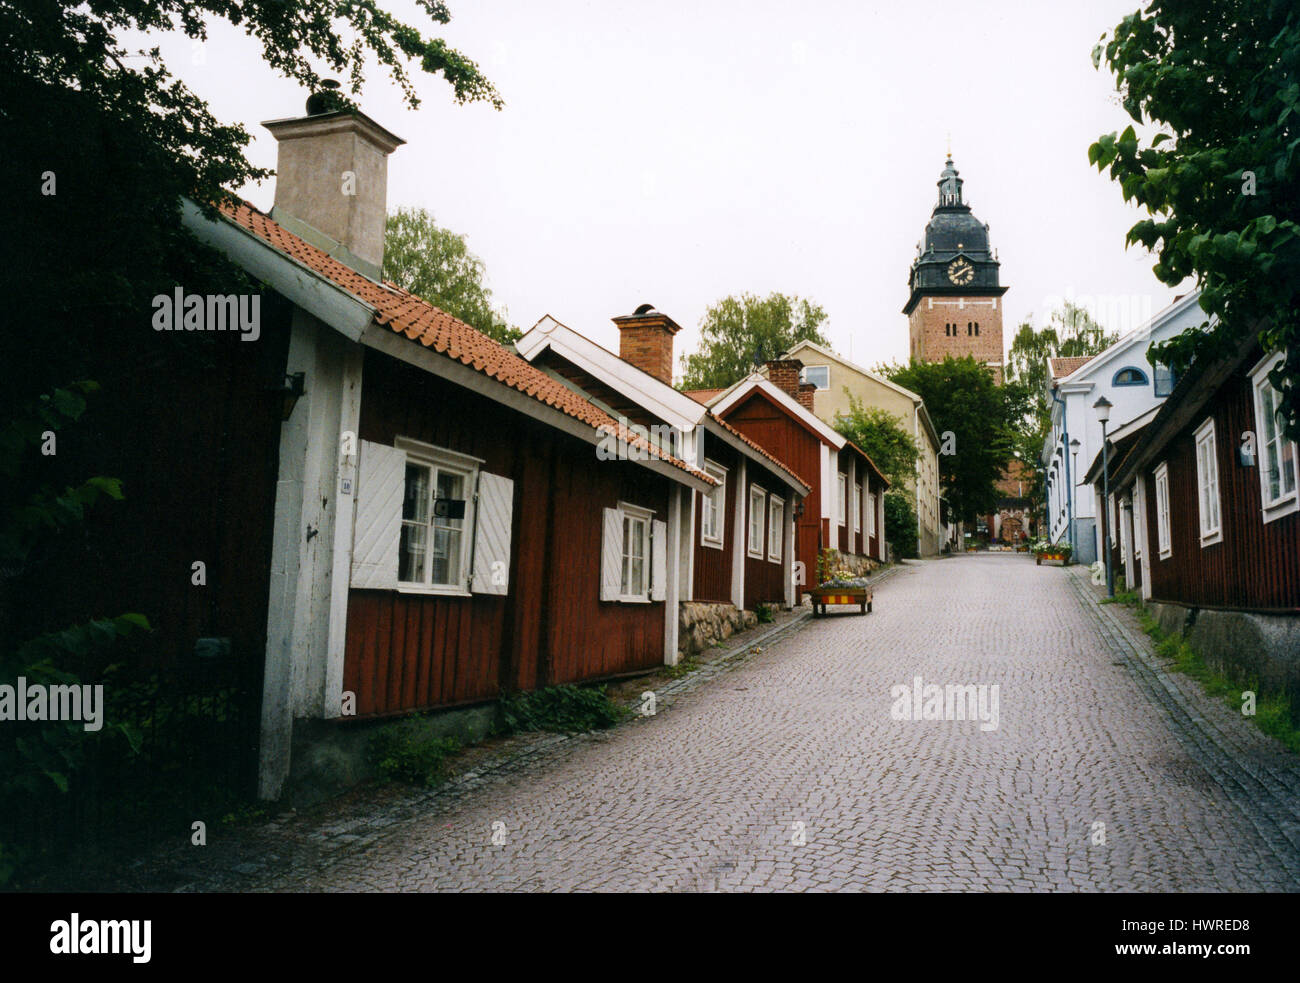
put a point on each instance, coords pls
(968, 328)
(977, 329)
(1129, 376)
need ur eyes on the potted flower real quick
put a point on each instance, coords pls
(837, 584)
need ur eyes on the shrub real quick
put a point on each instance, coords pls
(562, 709)
(402, 753)
(900, 525)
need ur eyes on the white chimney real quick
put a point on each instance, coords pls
(331, 184)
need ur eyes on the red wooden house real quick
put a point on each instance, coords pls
(742, 529)
(845, 509)
(445, 526)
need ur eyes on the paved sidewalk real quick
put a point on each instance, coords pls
(786, 771)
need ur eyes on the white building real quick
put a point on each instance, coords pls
(1124, 376)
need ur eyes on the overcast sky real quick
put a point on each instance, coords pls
(676, 152)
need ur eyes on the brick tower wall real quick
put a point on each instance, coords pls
(931, 341)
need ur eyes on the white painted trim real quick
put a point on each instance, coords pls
(739, 538)
(715, 429)
(756, 554)
(1165, 530)
(827, 491)
(1287, 503)
(1205, 434)
(346, 513)
(783, 399)
(672, 592)
(661, 399)
(774, 502)
(718, 542)
(442, 459)
(313, 292)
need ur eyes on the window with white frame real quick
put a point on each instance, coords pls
(1163, 544)
(757, 509)
(842, 504)
(775, 528)
(437, 507)
(713, 506)
(818, 375)
(1207, 484)
(871, 514)
(1276, 454)
(636, 552)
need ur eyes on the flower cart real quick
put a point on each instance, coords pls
(1043, 550)
(837, 585)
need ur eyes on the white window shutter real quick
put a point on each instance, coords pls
(658, 561)
(381, 485)
(492, 526)
(611, 556)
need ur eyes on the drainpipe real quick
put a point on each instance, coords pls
(1065, 456)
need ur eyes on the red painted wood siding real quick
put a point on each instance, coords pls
(411, 651)
(1255, 565)
(764, 583)
(773, 429)
(712, 565)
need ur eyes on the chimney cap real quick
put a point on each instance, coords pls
(293, 127)
(324, 99)
(646, 314)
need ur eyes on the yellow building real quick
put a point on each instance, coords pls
(832, 375)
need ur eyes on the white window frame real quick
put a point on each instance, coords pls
(1164, 544)
(1209, 503)
(437, 459)
(871, 514)
(1286, 502)
(803, 378)
(717, 502)
(775, 528)
(757, 509)
(842, 512)
(645, 517)
(857, 507)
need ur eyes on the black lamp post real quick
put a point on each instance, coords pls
(1074, 449)
(1102, 406)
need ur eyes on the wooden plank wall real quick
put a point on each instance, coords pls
(712, 565)
(411, 651)
(1256, 565)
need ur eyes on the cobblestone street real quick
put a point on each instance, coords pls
(787, 772)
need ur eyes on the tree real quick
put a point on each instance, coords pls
(436, 265)
(101, 144)
(1071, 331)
(1220, 80)
(900, 525)
(737, 330)
(882, 435)
(966, 405)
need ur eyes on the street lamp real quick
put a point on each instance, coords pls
(1074, 449)
(1102, 406)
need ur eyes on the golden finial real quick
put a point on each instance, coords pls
(950, 146)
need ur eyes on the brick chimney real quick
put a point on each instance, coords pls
(806, 392)
(645, 339)
(331, 183)
(784, 374)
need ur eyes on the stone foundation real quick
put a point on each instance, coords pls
(701, 624)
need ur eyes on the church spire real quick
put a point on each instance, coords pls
(949, 184)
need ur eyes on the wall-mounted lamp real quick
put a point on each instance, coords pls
(289, 391)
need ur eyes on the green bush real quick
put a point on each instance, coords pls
(402, 753)
(562, 709)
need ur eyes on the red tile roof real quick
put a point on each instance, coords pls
(416, 319)
(1064, 366)
(702, 395)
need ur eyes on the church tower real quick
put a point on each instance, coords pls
(955, 302)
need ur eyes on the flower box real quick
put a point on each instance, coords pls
(1062, 557)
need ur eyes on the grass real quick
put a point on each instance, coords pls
(683, 668)
(1272, 710)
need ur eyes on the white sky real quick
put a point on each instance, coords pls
(676, 152)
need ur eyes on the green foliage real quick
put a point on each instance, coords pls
(1070, 332)
(563, 709)
(765, 615)
(1220, 180)
(882, 435)
(900, 525)
(436, 265)
(405, 753)
(963, 399)
(123, 141)
(736, 330)
(685, 666)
